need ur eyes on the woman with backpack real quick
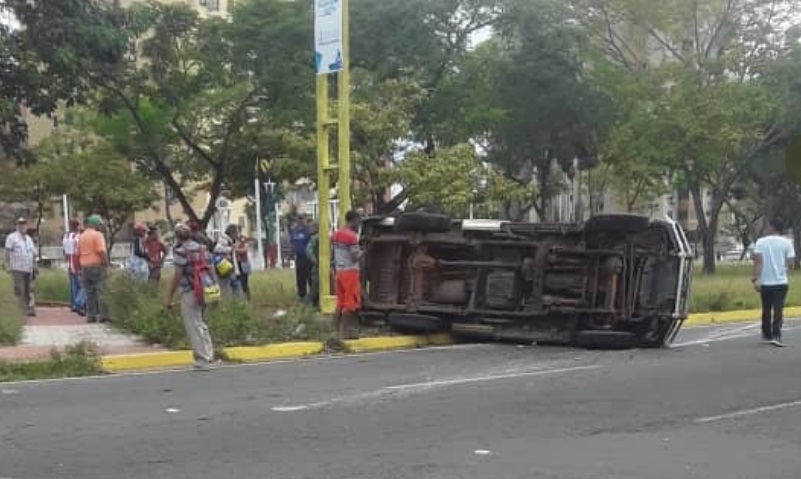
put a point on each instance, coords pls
(194, 277)
(225, 262)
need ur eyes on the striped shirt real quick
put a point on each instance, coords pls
(21, 251)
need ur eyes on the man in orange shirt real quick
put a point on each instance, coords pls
(347, 263)
(93, 258)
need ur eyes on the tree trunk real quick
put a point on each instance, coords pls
(797, 244)
(167, 204)
(707, 228)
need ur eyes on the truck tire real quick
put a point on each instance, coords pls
(617, 223)
(590, 339)
(415, 222)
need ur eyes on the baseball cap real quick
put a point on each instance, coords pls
(94, 220)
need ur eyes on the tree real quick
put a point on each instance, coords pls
(453, 178)
(96, 178)
(177, 92)
(715, 113)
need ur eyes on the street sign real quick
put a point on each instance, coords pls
(328, 45)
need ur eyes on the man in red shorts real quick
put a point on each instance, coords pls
(347, 256)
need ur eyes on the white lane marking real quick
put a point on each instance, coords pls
(748, 412)
(478, 379)
(405, 390)
(729, 337)
(270, 363)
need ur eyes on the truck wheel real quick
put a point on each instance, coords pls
(414, 222)
(590, 339)
(617, 223)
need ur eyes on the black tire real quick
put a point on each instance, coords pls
(416, 323)
(590, 339)
(414, 222)
(617, 223)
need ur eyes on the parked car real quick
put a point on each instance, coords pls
(614, 281)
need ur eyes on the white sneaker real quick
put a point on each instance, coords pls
(778, 343)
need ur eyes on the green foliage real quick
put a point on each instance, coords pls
(452, 178)
(11, 317)
(139, 309)
(78, 360)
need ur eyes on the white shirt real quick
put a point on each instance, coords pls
(70, 244)
(775, 250)
(21, 251)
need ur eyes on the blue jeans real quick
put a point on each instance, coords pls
(77, 294)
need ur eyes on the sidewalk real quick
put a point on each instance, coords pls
(60, 327)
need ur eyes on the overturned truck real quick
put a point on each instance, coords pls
(616, 280)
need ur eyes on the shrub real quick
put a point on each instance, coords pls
(82, 359)
(11, 318)
(52, 285)
(139, 310)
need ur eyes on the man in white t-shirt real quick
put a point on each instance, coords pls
(20, 256)
(773, 257)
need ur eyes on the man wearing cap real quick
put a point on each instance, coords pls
(20, 256)
(70, 244)
(300, 236)
(94, 262)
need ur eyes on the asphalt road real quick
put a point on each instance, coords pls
(719, 406)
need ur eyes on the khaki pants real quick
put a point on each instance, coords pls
(193, 315)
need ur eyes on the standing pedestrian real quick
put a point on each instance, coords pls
(94, 262)
(225, 264)
(156, 252)
(190, 258)
(347, 264)
(138, 267)
(199, 235)
(70, 245)
(773, 257)
(20, 256)
(300, 237)
(242, 258)
(313, 253)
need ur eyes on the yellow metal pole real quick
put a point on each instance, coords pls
(327, 304)
(343, 130)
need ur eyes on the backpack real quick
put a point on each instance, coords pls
(203, 280)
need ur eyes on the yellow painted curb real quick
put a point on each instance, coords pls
(699, 319)
(273, 351)
(397, 342)
(133, 362)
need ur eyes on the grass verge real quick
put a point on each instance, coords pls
(11, 318)
(139, 310)
(76, 361)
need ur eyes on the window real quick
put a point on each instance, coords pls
(211, 5)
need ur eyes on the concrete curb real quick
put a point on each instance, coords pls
(271, 352)
(722, 317)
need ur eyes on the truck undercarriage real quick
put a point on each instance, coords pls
(615, 281)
